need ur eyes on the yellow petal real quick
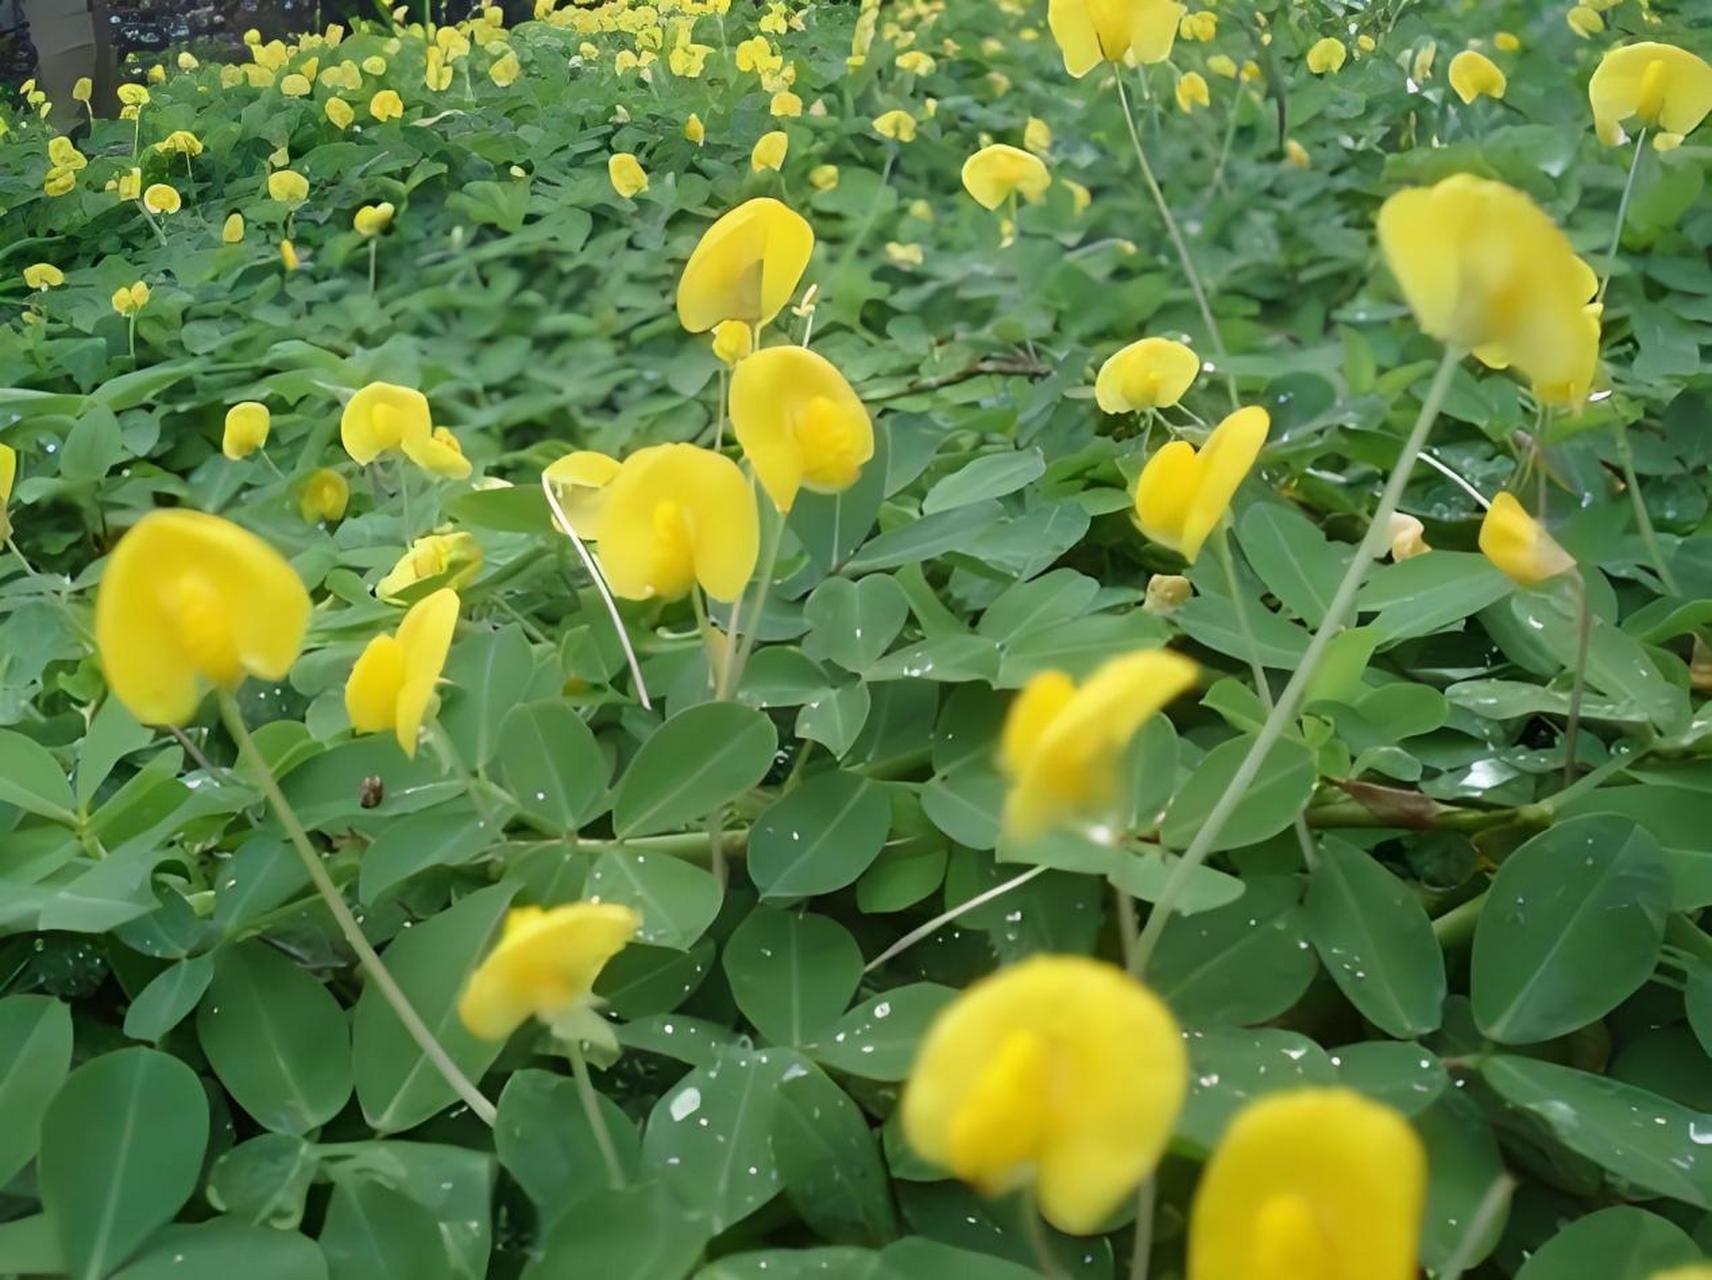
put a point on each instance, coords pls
(1473, 74)
(746, 266)
(677, 515)
(1519, 545)
(579, 481)
(1164, 491)
(424, 638)
(1313, 1184)
(438, 452)
(383, 416)
(994, 172)
(546, 964)
(8, 472)
(799, 422)
(1660, 85)
(246, 429)
(1222, 465)
(1150, 374)
(371, 693)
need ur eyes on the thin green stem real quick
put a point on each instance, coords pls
(944, 918)
(374, 251)
(745, 644)
(12, 546)
(1578, 687)
(1480, 1224)
(1622, 216)
(565, 527)
(1290, 700)
(1218, 179)
(1182, 247)
(1128, 925)
(1141, 1253)
(719, 417)
(590, 1097)
(1643, 521)
(377, 971)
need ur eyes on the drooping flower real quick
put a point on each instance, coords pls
(625, 173)
(745, 267)
(1327, 56)
(43, 276)
(769, 152)
(1181, 494)
(545, 965)
(181, 142)
(1150, 374)
(1062, 745)
(800, 423)
(1474, 75)
(1659, 86)
(323, 496)
(1520, 545)
(372, 219)
(1090, 32)
(995, 173)
(1061, 1071)
(161, 198)
(455, 558)
(191, 601)
(246, 430)
(676, 515)
(391, 687)
(1311, 1184)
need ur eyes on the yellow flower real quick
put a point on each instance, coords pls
(324, 496)
(161, 198)
(455, 558)
(182, 142)
(59, 182)
(799, 422)
(43, 276)
(1150, 374)
(745, 267)
(133, 95)
(505, 69)
(1659, 85)
(1407, 536)
(392, 683)
(694, 130)
(1481, 265)
(1089, 32)
(625, 173)
(785, 104)
(288, 255)
(823, 177)
(1365, 43)
(436, 71)
(1327, 56)
(386, 105)
(904, 255)
(374, 65)
(1060, 1070)
(287, 186)
(994, 173)
(295, 85)
(8, 475)
(1311, 1184)
(1201, 26)
(190, 600)
(187, 61)
(895, 124)
(130, 299)
(1062, 746)
(372, 219)
(1519, 545)
(1296, 155)
(440, 454)
(1222, 65)
(129, 184)
(1694, 1271)
(545, 965)
(1037, 136)
(63, 154)
(916, 63)
(232, 230)
(82, 90)
(1192, 92)
(1584, 21)
(246, 429)
(1474, 75)
(769, 152)
(1181, 495)
(383, 416)
(580, 481)
(1080, 196)
(732, 340)
(1506, 42)
(676, 515)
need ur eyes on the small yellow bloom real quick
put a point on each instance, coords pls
(1060, 1070)
(1296, 155)
(63, 154)
(1090, 32)
(1519, 545)
(246, 429)
(182, 142)
(1474, 75)
(1250, 71)
(323, 497)
(904, 255)
(83, 90)
(8, 476)
(287, 186)
(133, 95)
(1080, 196)
(694, 130)
(676, 515)
(1506, 42)
(1327, 56)
(187, 60)
(1192, 92)
(1694, 1271)
(161, 198)
(43, 276)
(1037, 136)
(232, 230)
(823, 177)
(624, 170)
(732, 340)
(916, 63)
(436, 71)
(1658, 85)
(746, 266)
(800, 423)
(1150, 374)
(59, 181)
(1585, 21)
(785, 105)
(384, 416)
(392, 684)
(1201, 26)
(769, 152)
(1221, 64)
(505, 69)
(372, 219)
(386, 105)
(1311, 1184)
(130, 299)
(288, 256)
(1165, 591)
(452, 558)
(374, 65)
(190, 600)
(896, 124)
(545, 965)
(994, 173)
(295, 85)
(1365, 43)
(439, 454)
(1181, 494)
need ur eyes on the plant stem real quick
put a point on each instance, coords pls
(374, 250)
(564, 523)
(1643, 521)
(1141, 1253)
(1485, 1213)
(736, 657)
(12, 546)
(719, 420)
(1290, 700)
(382, 977)
(590, 1097)
(1456, 926)
(1177, 241)
(933, 926)
(1622, 215)
(1583, 632)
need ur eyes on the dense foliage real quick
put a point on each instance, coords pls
(197, 1078)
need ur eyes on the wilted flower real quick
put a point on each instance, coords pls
(246, 429)
(391, 687)
(1181, 494)
(545, 965)
(1407, 536)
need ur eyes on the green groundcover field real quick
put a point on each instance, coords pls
(1420, 825)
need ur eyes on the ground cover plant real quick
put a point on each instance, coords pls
(876, 641)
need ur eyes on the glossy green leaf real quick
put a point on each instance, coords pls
(819, 836)
(1269, 804)
(699, 759)
(791, 974)
(35, 1055)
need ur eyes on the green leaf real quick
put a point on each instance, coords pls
(696, 761)
(1423, 594)
(877, 1040)
(1571, 928)
(122, 1146)
(921, 540)
(264, 1181)
(31, 779)
(1619, 1243)
(991, 476)
(1269, 804)
(168, 999)
(853, 623)
(639, 1233)
(1242, 963)
(818, 837)
(834, 717)
(1463, 1165)
(276, 1038)
(448, 835)
(830, 1262)
(544, 1140)
(677, 900)
(1274, 641)
(1293, 558)
(1401, 1074)
(1230, 1067)
(489, 675)
(830, 1163)
(375, 1233)
(1376, 941)
(219, 1250)
(549, 761)
(35, 1055)
(791, 975)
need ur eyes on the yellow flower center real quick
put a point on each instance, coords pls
(1289, 1242)
(1649, 98)
(827, 446)
(1143, 389)
(205, 630)
(674, 550)
(1000, 1128)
